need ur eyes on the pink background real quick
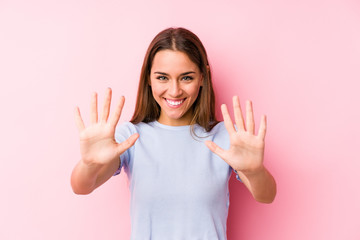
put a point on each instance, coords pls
(298, 61)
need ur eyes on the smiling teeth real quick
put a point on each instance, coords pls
(174, 103)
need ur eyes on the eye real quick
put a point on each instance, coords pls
(162, 78)
(187, 78)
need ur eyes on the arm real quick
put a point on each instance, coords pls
(86, 178)
(261, 185)
(246, 153)
(100, 153)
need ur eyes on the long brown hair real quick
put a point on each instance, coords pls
(177, 39)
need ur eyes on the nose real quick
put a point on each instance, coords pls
(175, 89)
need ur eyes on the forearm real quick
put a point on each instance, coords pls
(261, 184)
(83, 178)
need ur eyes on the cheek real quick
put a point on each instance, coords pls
(194, 91)
(156, 91)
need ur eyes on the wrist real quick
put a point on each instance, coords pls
(83, 178)
(253, 171)
(90, 166)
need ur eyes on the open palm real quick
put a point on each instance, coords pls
(246, 152)
(97, 143)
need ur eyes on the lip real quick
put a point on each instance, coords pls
(174, 100)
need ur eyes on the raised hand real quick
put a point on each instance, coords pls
(246, 152)
(97, 143)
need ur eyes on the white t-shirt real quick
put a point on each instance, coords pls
(179, 188)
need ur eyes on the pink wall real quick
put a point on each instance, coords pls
(298, 61)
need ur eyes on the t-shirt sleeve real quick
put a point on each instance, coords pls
(123, 132)
(237, 175)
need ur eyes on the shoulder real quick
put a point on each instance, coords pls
(220, 135)
(217, 133)
(220, 127)
(125, 130)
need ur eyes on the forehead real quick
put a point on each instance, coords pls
(172, 61)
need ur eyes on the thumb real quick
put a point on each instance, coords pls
(215, 149)
(122, 147)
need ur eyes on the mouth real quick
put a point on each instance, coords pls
(174, 103)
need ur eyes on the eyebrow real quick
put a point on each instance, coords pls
(185, 73)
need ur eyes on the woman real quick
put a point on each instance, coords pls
(173, 149)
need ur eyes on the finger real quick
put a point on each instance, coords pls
(93, 110)
(106, 108)
(114, 119)
(216, 149)
(227, 119)
(250, 125)
(262, 127)
(127, 143)
(239, 120)
(78, 120)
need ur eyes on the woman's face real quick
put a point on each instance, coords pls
(175, 82)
